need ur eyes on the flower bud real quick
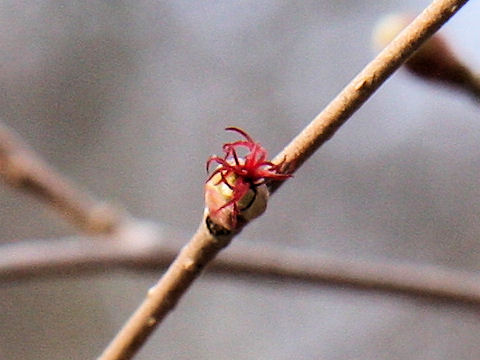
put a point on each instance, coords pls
(434, 60)
(235, 192)
(227, 211)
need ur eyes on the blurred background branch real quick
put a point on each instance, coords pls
(23, 169)
(435, 61)
(151, 248)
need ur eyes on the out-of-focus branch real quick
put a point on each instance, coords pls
(138, 245)
(153, 250)
(473, 86)
(25, 170)
(207, 242)
(435, 61)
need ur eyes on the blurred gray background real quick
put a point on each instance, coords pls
(129, 98)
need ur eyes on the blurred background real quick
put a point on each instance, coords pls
(129, 98)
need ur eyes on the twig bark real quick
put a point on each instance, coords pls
(155, 250)
(357, 92)
(435, 61)
(25, 170)
(203, 247)
(163, 297)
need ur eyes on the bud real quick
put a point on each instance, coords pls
(434, 60)
(236, 191)
(223, 207)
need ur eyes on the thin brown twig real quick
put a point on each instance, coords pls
(203, 247)
(21, 168)
(357, 92)
(139, 245)
(154, 250)
(163, 297)
(435, 61)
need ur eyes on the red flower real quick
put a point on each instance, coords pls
(241, 176)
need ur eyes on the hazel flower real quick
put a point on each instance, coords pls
(236, 190)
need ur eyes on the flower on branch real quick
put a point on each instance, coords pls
(236, 190)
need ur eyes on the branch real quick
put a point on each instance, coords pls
(151, 249)
(357, 92)
(435, 61)
(207, 242)
(139, 245)
(163, 297)
(473, 86)
(21, 168)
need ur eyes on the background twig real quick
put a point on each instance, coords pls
(473, 86)
(435, 61)
(25, 170)
(152, 249)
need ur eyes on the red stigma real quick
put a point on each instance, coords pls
(250, 171)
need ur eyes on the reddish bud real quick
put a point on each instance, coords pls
(236, 191)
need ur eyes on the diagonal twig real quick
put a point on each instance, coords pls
(204, 246)
(25, 170)
(436, 61)
(357, 92)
